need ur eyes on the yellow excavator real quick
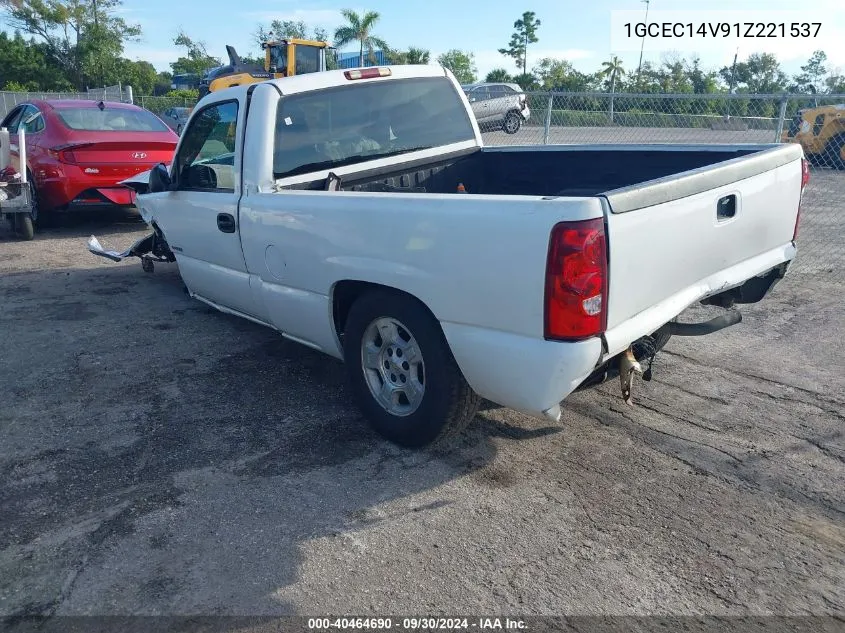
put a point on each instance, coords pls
(821, 132)
(282, 58)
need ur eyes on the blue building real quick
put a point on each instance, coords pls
(353, 59)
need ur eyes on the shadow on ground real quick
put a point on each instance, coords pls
(162, 455)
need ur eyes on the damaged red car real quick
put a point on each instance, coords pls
(78, 151)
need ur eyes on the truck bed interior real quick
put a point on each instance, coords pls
(571, 172)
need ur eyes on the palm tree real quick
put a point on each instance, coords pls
(359, 29)
(417, 56)
(612, 69)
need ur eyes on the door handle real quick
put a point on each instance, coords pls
(226, 222)
(726, 207)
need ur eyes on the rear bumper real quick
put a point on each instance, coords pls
(64, 186)
(525, 374)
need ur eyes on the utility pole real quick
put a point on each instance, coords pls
(642, 45)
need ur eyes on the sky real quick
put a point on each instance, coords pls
(577, 30)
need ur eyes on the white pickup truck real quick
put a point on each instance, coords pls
(331, 208)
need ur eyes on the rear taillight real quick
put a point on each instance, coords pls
(576, 281)
(805, 180)
(64, 153)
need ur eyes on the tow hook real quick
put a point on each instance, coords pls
(628, 366)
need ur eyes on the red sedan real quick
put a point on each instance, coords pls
(78, 151)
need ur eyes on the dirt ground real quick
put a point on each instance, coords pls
(158, 457)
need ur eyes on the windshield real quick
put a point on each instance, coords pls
(110, 119)
(353, 123)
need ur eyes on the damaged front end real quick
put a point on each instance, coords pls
(150, 249)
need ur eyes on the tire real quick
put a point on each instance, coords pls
(512, 123)
(24, 226)
(38, 214)
(431, 399)
(833, 153)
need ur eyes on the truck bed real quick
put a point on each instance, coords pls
(541, 170)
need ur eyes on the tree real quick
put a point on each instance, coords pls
(84, 37)
(525, 34)
(411, 56)
(552, 73)
(673, 75)
(359, 29)
(498, 75)
(702, 82)
(611, 71)
(418, 56)
(835, 83)
(462, 65)
(812, 77)
(142, 76)
(281, 29)
(197, 59)
(163, 82)
(760, 73)
(526, 81)
(27, 63)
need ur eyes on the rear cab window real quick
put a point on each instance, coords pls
(353, 123)
(92, 119)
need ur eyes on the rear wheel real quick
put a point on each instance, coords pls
(24, 226)
(402, 373)
(513, 121)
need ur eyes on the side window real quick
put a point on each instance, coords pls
(206, 159)
(32, 120)
(12, 120)
(479, 94)
(307, 59)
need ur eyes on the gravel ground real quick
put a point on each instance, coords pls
(158, 457)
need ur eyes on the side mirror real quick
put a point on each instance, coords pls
(159, 179)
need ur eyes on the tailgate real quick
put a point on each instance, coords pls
(678, 239)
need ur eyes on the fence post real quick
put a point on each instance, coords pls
(130, 97)
(781, 119)
(548, 119)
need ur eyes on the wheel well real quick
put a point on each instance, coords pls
(346, 292)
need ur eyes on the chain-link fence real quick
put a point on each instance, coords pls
(816, 122)
(158, 105)
(8, 100)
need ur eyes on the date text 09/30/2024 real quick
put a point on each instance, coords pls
(417, 624)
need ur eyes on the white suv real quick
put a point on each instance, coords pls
(501, 105)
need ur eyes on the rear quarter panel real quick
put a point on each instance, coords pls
(477, 260)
